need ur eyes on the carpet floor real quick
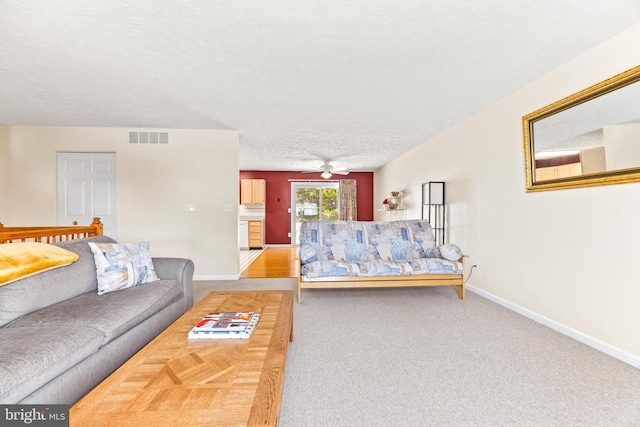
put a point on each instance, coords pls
(422, 357)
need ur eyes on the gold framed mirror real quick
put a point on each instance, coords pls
(586, 139)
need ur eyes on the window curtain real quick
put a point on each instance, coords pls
(348, 193)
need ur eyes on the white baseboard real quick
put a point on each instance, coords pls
(563, 329)
(214, 277)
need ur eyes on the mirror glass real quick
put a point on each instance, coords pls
(589, 138)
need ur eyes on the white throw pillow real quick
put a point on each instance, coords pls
(450, 252)
(122, 266)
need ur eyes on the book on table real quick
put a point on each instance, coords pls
(226, 325)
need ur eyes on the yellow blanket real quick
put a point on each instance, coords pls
(20, 260)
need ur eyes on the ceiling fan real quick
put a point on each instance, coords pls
(327, 171)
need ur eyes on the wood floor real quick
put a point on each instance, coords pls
(273, 263)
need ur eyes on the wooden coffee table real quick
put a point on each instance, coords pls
(176, 382)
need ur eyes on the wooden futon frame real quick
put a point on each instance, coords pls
(380, 282)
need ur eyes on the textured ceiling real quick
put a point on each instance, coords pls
(355, 82)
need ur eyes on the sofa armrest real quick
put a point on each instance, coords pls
(180, 269)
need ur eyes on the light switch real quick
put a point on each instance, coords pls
(190, 207)
(228, 207)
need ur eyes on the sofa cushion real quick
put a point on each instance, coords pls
(389, 241)
(35, 292)
(24, 259)
(363, 241)
(378, 267)
(436, 266)
(113, 314)
(33, 356)
(310, 233)
(421, 236)
(332, 268)
(344, 241)
(122, 265)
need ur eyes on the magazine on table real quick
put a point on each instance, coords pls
(225, 326)
(223, 322)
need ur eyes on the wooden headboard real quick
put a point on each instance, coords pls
(49, 234)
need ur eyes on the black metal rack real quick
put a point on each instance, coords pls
(434, 208)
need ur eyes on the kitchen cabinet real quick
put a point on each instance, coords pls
(255, 234)
(252, 191)
(587, 161)
(557, 172)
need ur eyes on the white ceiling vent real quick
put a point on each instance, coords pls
(137, 137)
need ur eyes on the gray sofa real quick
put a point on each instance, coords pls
(59, 338)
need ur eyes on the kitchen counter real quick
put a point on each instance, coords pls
(246, 217)
(250, 214)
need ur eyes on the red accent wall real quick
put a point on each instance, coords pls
(278, 219)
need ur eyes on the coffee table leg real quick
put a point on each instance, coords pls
(291, 333)
(291, 328)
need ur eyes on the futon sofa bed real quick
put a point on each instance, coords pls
(350, 254)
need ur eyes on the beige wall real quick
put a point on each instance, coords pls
(568, 256)
(154, 182)
(4, 171)
(621, 146)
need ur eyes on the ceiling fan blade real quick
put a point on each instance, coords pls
(327, 168)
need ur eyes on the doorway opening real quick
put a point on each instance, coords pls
(316, 200)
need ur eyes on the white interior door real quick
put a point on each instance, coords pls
(87, 189)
